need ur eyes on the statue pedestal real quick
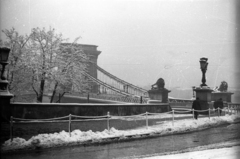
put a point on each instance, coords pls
(204, 94)
(5, 106)
(154, 101)
(159, 95)
(226, 96)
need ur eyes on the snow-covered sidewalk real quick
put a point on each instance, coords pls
(79, 137)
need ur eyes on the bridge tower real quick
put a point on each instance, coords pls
(92, 52)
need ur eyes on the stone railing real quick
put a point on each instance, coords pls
(234, 106)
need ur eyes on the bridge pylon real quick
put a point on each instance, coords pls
(92, 52)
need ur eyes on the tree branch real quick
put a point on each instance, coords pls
(60, 97)
(33, 84)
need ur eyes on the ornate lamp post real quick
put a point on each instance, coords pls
(203, 64)
(203, 92)
(5, 96)
(4, 53)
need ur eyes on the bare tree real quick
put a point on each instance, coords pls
(45, 64)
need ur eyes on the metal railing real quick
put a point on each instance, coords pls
(231, 109)
(139, 91)
(126, 99)
(121, 98)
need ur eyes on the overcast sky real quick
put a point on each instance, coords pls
(142, 40)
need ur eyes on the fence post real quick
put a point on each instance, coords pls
(193, 113)
(147, 120)
(228, 109)
(69, 124)
(209, 113)
(173, 117)
(11, 129)
(108, 125)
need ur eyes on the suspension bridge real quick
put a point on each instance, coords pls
(105, 85)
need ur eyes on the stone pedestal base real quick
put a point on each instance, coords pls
(226, 96)
(5, 107)
(204, 94)
(161, 95)
(154, 101)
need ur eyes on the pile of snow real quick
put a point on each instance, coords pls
(79, 137)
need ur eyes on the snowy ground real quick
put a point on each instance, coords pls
(221, 153)
(227, 150)
(79, 137)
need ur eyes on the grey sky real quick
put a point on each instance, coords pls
(141, 40)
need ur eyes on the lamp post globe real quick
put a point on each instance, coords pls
(4, 53)
(203, 66)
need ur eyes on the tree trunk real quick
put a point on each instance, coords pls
(41, 89)
(54, 92)
(40, 94)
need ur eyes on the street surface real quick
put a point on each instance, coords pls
(147, 146)
(232, 152)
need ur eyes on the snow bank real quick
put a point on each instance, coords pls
(79, 137)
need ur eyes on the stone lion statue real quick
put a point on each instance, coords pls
(159, 84)
(223, 87)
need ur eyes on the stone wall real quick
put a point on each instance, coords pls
(48, 110)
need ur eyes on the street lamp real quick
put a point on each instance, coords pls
(203, 64)
(5, 96)
(4, 53)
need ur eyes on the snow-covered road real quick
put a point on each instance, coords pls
(222, 153)
(218, 153)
